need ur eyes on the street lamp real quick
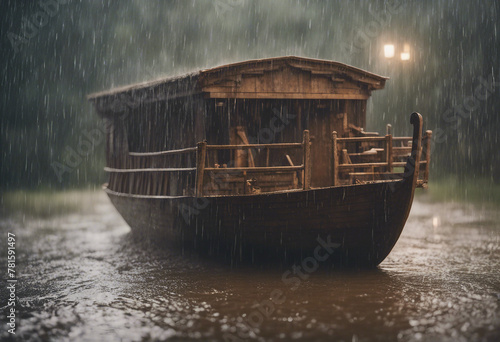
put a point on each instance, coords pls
(389, 50)
(405, 55)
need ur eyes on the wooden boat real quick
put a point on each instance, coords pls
(262, 160)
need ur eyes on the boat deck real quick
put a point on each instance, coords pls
(195, 171)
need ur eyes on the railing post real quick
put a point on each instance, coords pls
(201, 153)
(335, 160)
(388, 152)
(428, 136)
(389, 129)
(307, 160)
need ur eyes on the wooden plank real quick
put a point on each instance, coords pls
(406, 149)
(361, 139)
(389, 129)
(307, 160)
(402, 139)
(345, 157)
(237, 184)
(171, 169)
(201, 154)
(250, 146)
(162, 153)
(335, 160)
(255, 169)
(240, 132)
(261, 177)
(389, 152)
(278, 95)
(363, 165)
(372, 173)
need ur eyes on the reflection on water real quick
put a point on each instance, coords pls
(82, 277)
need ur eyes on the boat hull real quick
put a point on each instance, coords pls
(362, 222)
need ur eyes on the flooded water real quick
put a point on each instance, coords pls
(82, 277)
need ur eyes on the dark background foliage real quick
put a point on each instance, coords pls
(81, 47)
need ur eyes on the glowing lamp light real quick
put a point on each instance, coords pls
(389, 51)
(405, 55)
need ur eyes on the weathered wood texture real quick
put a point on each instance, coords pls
(148, 173)
(364, 220)
(273, 99)
(250, 185)
(376, 157)
(280, 78)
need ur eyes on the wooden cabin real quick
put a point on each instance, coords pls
(257, 126)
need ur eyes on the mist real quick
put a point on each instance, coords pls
(55, 52)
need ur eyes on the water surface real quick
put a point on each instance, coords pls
(81, 276)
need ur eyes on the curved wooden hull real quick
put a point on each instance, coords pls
(362, 222)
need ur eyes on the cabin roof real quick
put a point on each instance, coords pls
(205, 80)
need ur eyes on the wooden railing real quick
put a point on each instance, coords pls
(353, 159)
(203, 148)
(141, 178)
(164, 153)
(153, 173)
(372, 158)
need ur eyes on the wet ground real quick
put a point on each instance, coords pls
(81, 277)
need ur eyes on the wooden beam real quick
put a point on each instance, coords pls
(307, 160)
(361, 165)
(401, 138)
(361, 139)
(170, 169)
(297, 96)
(255, 169)
(249, 146)
(335, 160)
(388, 152)
(162, 153)
(200, 167)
